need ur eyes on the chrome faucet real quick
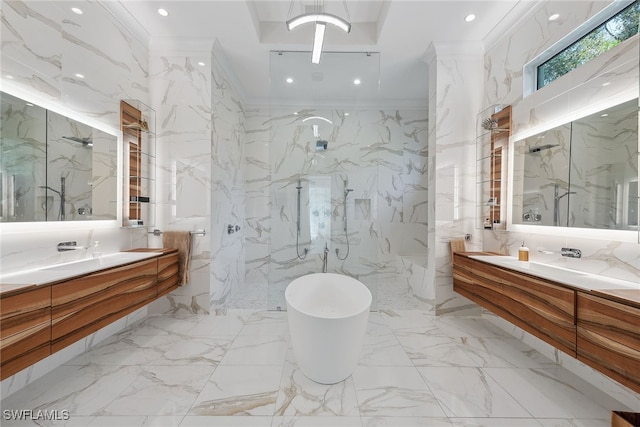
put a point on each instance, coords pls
(571, 252)
(556, 203)
(70, 246)
(325, 258)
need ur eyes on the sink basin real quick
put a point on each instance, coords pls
(536, 267)
(85, 263)
(58, 272)
(567, 276)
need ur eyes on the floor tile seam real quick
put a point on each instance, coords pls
(435, 396)
(499, 383)
(278, 390)
(122, 390)
(197, 398)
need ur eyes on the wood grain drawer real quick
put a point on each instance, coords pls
(468, 283)
(541, 307)
(82, 306)
(25, 329)
(168, 278)
(609, 338)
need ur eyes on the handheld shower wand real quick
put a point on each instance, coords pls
(346, 225)
(306, 250)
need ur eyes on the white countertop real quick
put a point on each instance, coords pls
(574, 278)
(57, 272)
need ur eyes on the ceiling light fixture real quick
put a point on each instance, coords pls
(289, 80)
(317, 118)
(357, 81)
(163, 12)
(321, 20)
(470, 17)
(318, 40)
(76, 10)
(202, 64)
(554, 17)
(80, 76)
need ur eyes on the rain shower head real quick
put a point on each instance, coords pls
(321, 145)
(84, 141)
(541, 148)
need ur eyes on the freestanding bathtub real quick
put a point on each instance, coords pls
(328, 316)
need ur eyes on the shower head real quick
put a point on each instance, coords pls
(489, 123)
(321, 145)
(541, 148)
(84, 141)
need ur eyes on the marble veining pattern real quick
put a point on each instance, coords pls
(579, 90)
(203, 370)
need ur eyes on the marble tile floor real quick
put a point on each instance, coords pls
(237, 368)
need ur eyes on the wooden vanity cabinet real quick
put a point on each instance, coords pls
(609, 338)
(539, 306)
(83, 305)
(168, 279)
(25, 328)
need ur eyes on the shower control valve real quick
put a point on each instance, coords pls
(232, 228)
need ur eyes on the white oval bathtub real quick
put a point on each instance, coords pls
(328, 316)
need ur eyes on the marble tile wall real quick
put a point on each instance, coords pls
(201, 141)
(455, 82)
(228, 142)
(44, 45)
(576, 94)
(380, 153)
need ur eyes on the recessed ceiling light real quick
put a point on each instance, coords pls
(554, 17)
(289, 80)
(295, 113)
(357, 81)
(10, 77)
(76, 10)
(604, 115)
(470, 17)
(202, 64)
(346, 114)
(606, 84)
(163, 12)
(80, 76)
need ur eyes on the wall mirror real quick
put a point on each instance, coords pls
(581, 174)
(54, 168)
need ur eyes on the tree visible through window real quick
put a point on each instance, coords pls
(611, 33)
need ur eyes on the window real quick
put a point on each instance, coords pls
(601, 34)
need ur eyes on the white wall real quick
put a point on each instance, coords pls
(383, 155)
(455, 87)
(180, 93)
(557, 103)
(44, 45)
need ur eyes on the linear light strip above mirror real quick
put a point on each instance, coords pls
(94, 200)
(600, 198)
(11, 89)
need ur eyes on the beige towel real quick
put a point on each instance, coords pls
(180, 240)
(457, 245)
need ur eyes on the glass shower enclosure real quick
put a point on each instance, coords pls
(324, 160)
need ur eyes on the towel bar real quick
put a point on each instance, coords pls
(157, 232)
